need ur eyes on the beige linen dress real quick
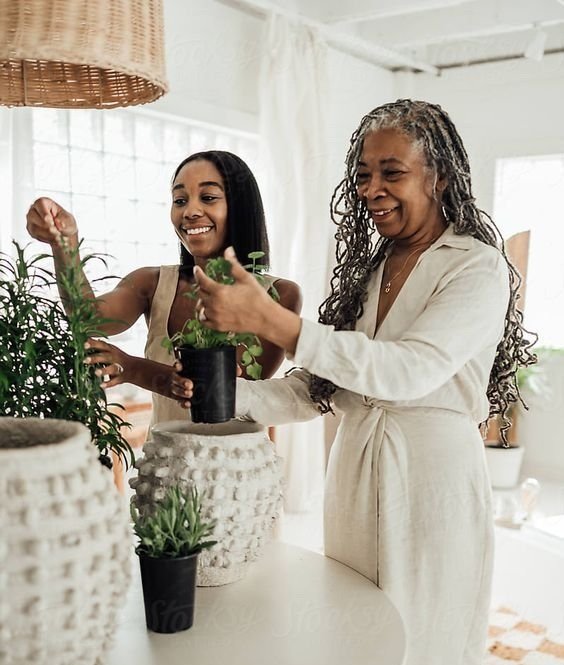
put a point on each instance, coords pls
(407, 500)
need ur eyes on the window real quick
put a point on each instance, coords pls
(529, 195)
(112, 169)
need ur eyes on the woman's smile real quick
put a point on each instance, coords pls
(379, 216)
(196, 230)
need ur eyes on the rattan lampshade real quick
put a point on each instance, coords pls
(81, 53)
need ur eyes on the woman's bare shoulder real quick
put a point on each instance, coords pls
(142, 281)
(289, 292)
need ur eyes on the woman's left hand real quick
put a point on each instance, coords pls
(238, 307)
(117, 363)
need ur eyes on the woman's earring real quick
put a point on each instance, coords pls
(445, 215)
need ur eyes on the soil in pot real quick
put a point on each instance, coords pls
(213, 373)
(169, 587)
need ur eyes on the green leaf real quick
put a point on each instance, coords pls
(254, 370)
(255, 350)
(246, 358)
(255, 255)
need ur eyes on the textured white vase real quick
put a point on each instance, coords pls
(236, 471)
(65, 545)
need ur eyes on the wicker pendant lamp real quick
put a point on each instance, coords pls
(81, 53)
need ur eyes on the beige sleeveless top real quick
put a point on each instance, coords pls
(165, 408)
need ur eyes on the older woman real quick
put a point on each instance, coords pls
(418, 342)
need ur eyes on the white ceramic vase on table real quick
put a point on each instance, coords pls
(504, 464)
(235, 469)
(65, 545)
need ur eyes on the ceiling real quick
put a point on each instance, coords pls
(432, 35)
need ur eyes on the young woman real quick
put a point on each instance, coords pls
(215, 203)
(417, 344)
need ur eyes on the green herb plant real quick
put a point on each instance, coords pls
(198, 336)
(174, 527)
(42, 369)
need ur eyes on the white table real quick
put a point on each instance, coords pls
(295, 607)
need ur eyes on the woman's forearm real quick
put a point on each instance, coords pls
(150, 375)
(67, 257)
(280, 326)
(276, 401)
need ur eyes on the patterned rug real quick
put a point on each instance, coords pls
(512, 640)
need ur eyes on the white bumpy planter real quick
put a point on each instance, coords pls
(65, 545)
(235, 469)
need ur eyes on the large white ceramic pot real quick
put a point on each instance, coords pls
(65, 545)
(238, 475)
(504, 464)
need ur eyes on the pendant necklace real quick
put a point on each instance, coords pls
(388, 285)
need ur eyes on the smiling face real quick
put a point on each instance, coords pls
(199, 209)
(398, 188)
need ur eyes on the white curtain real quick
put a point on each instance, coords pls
(297, 194)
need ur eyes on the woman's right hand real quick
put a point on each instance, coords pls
(49, 222)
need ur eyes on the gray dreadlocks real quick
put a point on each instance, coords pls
(358, 255)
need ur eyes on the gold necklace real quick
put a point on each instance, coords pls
(388, 285)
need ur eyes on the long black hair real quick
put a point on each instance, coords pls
(430, 128)
(246, 224)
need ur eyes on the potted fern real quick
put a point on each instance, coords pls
(209, 357)
(171, 535)
(42, 352)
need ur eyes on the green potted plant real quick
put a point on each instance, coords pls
(208, 356)
(42, 369)
(171, 535)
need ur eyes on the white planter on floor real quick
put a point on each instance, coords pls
(65, 545)
(504, 465)
(238, 475)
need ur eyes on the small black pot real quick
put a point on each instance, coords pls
(169, 587)
(213, 373)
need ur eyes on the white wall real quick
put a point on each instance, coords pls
(213, 64)
(212, 59)
(501, 110)
(510, 109)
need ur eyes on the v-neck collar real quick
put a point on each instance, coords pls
(447, 239)
(367, 322)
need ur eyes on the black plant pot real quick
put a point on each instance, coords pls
(169, 587)
(213, 373)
